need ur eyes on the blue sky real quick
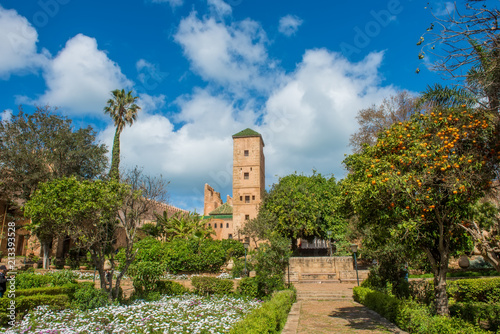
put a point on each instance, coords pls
(295, 71)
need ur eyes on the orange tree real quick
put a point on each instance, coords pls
(418, 183)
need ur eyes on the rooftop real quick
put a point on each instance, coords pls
(247, 133)
(224, 209)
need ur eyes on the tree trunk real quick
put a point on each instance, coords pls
(441, 298)
(114, 172)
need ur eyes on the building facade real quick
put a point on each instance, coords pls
(228, 219)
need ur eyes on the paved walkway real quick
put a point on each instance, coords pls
(329, 308)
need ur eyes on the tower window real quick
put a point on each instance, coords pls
(209, 225)
(230, 236)
(241, 198)
(227, 225)
(247, 199)
(215, 225)
(253, 197)
(247, 217)
(245, 153)
(246, 176)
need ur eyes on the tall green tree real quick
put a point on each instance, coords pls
(301, 206)
(40, 147)
(419, 183)
(123, 110)
(43, 146)
(86, 210)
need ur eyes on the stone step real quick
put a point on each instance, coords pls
(337, 299)
(318, 281)
(318, 276)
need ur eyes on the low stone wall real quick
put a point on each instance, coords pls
(323, 268)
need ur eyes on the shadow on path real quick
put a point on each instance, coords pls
(358, 318)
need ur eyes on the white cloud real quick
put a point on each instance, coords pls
(234, 55)
(18, 39)
(289, 25)
(219, 7)
(309, 120)
(81, 77)
(151, 104)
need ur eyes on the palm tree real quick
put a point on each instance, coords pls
(123, 111)
(182, 226)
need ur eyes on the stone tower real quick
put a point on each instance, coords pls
(248, 177)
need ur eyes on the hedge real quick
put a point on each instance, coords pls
(412, 316)
(270, 317)
(68, 289)
(478, 314)
(485, 290)
(26, 303)
(249, 286)
(211, 285)
(171, 288)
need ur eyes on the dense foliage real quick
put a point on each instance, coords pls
(44, 146)
(205, 286)
(270, 317)
(419, 182)
(191, 255)
(411, 316)
(300, 206)
(86, 210)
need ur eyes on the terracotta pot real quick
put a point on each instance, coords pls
(67, 267)
(52, 266)
(35, 265)
(83, 267)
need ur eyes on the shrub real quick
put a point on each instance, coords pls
(270, 261)
(87, 297)
(26, 303)
(411, 316)
(269, 318)
(32, 280)
(475, 290)
(486, 315)
(68, 289)
(232, 248)
(248, 287)
(62, 277)
(211, 285)
(171, 288)
(148, 249)
(145, 275)
(181, 255)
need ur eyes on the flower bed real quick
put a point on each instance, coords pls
(180, 314)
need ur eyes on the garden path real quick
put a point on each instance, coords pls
(329, 308)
